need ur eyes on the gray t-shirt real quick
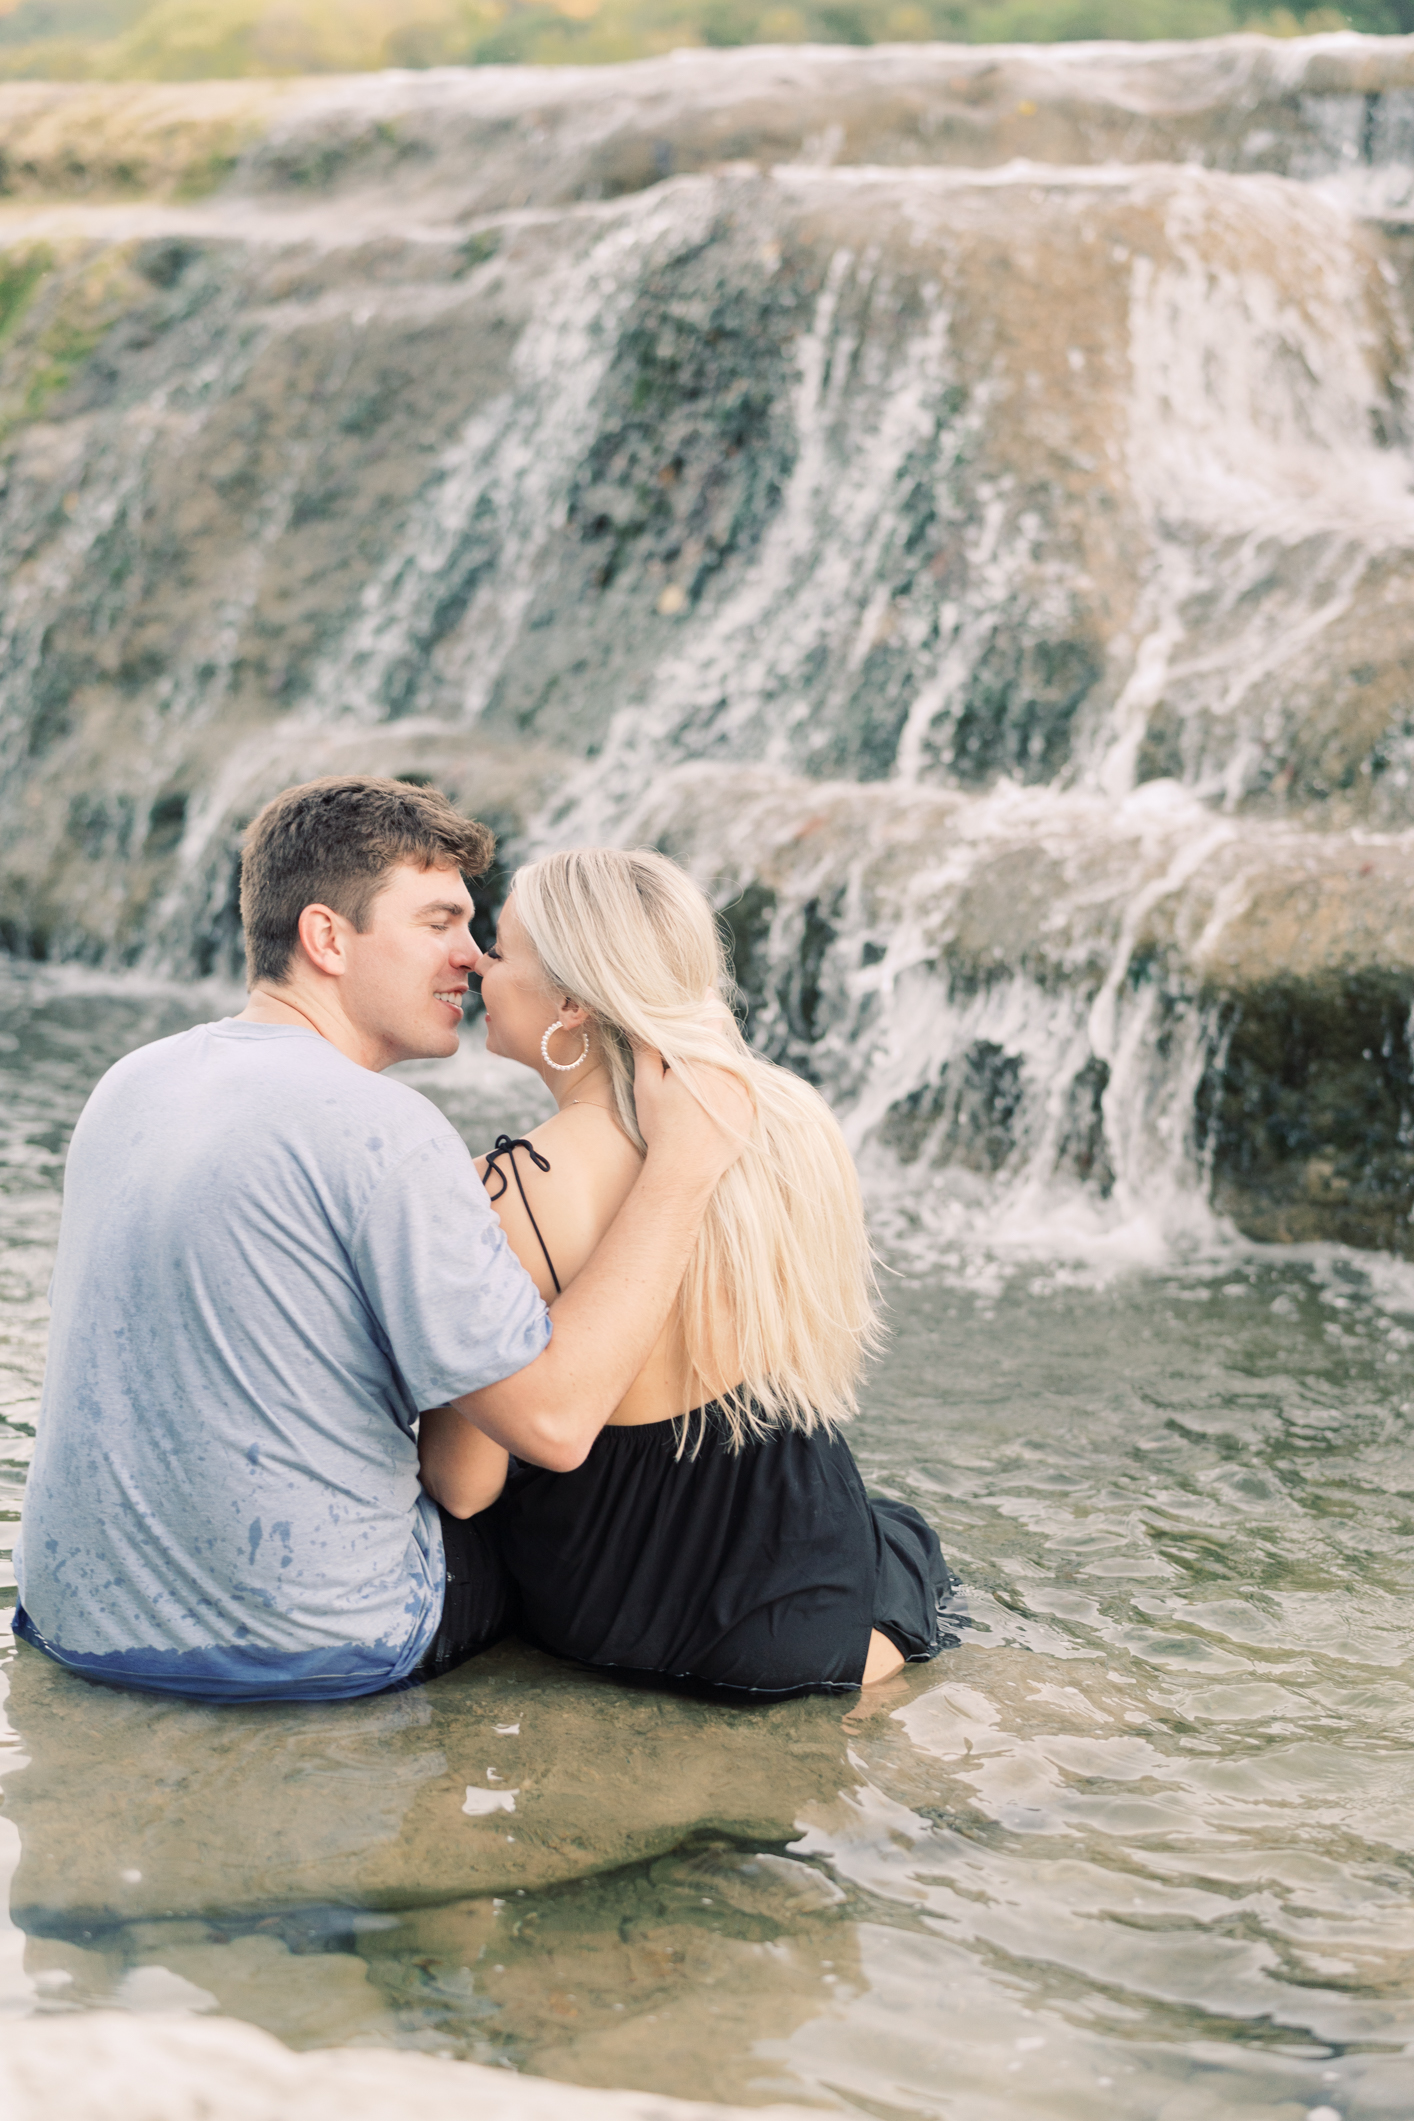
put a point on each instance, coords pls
(270, 1260)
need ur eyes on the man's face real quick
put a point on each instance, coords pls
(407, 973)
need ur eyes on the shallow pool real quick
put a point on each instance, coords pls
(1140, 1846)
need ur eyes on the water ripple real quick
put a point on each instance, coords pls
(1141, 1846)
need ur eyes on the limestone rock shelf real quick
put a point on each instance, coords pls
(1002, 454)
(523, 136)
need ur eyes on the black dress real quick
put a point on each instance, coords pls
(760, 1570)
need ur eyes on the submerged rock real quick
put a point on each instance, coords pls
(512, 1773)
(517, 1863)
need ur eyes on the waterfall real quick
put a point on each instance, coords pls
(957, 502)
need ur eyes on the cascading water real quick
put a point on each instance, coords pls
(990, 578)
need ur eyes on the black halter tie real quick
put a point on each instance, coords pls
(505, 1146)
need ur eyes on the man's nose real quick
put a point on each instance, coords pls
(466, 954)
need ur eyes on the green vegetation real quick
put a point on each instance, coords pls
(178, 40)
(48, 341)
(59, 356)
(20, 273)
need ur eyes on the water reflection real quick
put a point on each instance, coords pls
(1142, 1846)
(130, 1806)
(324, 1871)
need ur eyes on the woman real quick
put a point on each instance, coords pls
(718, 1532)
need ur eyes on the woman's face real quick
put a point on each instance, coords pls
(518, 1002)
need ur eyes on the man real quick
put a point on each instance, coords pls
(271, 1259)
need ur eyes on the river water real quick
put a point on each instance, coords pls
(1140, 1846)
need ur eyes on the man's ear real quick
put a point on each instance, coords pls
(321, 939)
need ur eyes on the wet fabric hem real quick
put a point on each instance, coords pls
(710, 1689)
(121, 1670)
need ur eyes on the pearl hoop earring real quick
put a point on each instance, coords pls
(562, 1067)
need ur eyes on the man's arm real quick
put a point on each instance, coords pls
(460, 1468)
(607, 1323)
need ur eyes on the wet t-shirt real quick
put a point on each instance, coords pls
(270, 1260)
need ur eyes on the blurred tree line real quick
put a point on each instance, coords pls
(194, 39)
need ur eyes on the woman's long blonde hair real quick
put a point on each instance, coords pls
(781, 1269)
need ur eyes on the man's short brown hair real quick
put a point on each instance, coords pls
(332, 843)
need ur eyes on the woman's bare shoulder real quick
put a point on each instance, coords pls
(586, 1143)
(561, 1202)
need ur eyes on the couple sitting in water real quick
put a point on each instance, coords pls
(309, 1429)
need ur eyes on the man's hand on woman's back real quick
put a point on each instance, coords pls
(703, 1127)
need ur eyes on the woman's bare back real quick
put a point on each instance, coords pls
(592, 1166)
